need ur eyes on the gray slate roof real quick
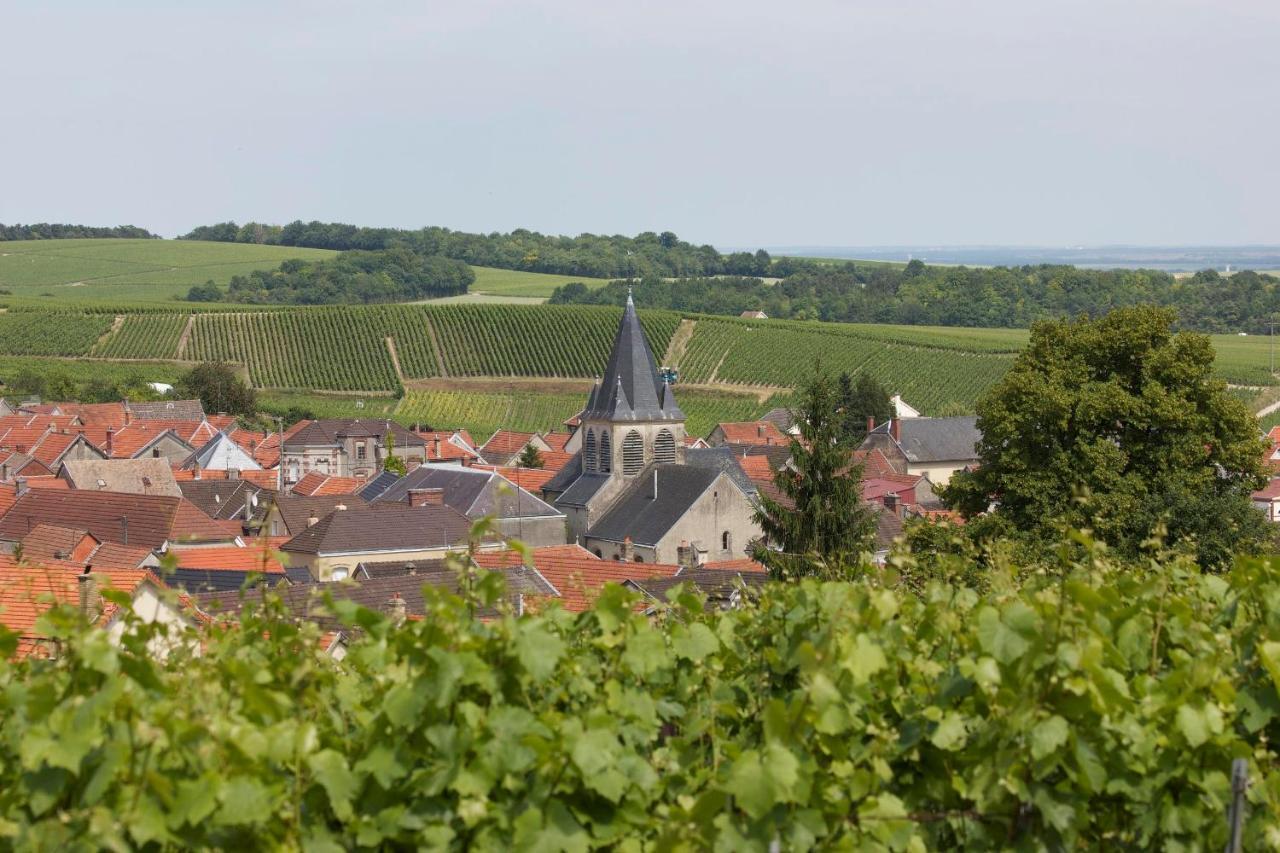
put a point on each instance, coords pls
(717, 585)
(474, 493)
(937, 439)
(636, 514)
(385, 527)
(563, 479)
(174, 410)
(296, 509)
(378, 485)
(332, 431)
(218, 580)
(720, 459)
(224, 499)
(630, 389)
(780, 417)
(305, 602)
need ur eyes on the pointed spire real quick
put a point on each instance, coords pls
(631, 388)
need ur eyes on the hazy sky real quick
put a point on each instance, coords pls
(736, 123)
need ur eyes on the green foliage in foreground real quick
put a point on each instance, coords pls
(1091, 705)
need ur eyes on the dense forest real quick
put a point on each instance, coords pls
(959, 296)
(391, 275)
(60, 231)
(587, 255)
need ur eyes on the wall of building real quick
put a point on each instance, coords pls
(536, 531)
(721, 508)
(939, 473)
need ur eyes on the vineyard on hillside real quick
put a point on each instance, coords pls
(145, 336)
(345, 348)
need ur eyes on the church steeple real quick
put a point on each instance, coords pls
(630, 389)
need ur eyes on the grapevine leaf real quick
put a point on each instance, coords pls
(950, 733)
(337, 780)
(1047, 736)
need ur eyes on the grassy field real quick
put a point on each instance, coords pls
(73, 272)
(498, 282)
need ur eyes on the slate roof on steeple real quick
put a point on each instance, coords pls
(630, 389)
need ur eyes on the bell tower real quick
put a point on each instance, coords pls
(632, 418)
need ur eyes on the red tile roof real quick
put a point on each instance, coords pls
(441, 449)
(51, 542)
(316, 483)
(529, 479)
(46, 481)
(255, 556)
(53, 446)
(152, 520)
(578, 574)
(557, 440)
(752, 432)
(28, 591)
(113, 555)
(1269, 492)
(507, 442)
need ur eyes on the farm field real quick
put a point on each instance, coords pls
(498, 282)
(79, 271)
(348, 349)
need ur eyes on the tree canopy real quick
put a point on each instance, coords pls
(1118, 425)
(218, 388)
(862, 400)
(60, 231)
(819, 520)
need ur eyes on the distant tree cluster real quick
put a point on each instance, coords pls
(917, 294)
(60, 231)
(358, 276)
(588, 255)
(56, 384)
(218, 388)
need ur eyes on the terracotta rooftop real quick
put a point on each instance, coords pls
(146, 520)
(26, 592)
(529, 479)
(256, 556)
(752, 432)
(574, 571)
(316, 483)
(505, 443)
(51, 542)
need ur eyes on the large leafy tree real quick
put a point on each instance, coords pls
(819, 523)
(218, 388)
(1119, 425)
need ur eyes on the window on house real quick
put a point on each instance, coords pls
(598, 553)
(360, 451)
(339, 573)
(664, 446)
(639, 559)
(632, 454)
(155, 453)
(726, 542)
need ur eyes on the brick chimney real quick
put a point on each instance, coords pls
(426, 497)
(107, 445)
(685, 555)
(871, 422)
(895, 428)
(435, 447)
(892, 505)
(759, 430)
(313, 520)
(22, 487)
(628, 550)
(90, 601)
(396, 610)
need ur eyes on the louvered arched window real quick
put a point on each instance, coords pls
(664, 447)
(589, 452)
(606, 453)
(632, 453)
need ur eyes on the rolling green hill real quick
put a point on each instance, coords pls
(121, 272)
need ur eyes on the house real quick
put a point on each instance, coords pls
(575, 573)
(49, 542)
(134, 476)
(630, 492)
(479, 493)
(934, 447)
(903, 409)
(316, 483)
(289, 515)
(6, 408)
(152, 440)
(505, 446)
(723, 588)
(167, 410)
(331, 547)
(759, 432)
(449, 446)
(783, 419)
(1267, 499)
(150, 521)
(229, 500)
(25, 595)
(348, 448)
(15, 465)
(754, 315)
(221, 453)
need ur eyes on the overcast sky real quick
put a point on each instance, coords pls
(738, 123)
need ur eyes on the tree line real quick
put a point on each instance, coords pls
(917, 294)
(61, 231)
(358, 276)
(587, 255)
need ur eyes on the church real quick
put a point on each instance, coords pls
(634, 491)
